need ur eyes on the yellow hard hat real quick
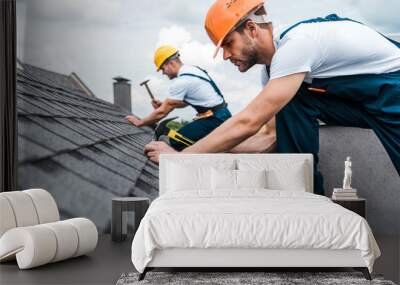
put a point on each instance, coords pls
(162, 54)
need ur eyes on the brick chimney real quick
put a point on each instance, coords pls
(122, 93)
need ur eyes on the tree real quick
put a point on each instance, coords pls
(176, 125)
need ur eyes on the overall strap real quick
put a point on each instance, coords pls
(397, 44)
(331, 18)
(209, 80)
(268, 69)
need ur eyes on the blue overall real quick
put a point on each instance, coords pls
(366, 101)
(200, 128)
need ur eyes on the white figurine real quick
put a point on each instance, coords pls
(347, 174)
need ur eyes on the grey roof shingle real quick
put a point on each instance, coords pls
(78, 147)
(52, 78)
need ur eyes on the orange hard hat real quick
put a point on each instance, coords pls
(224, 15)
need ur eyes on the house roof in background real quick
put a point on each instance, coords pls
(78, 147)
(53, 78)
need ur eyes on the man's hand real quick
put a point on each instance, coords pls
(155, 148)
(156, 103)
(159, 113)
(134, 120)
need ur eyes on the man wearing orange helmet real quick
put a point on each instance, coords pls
(331, 69)
(190, 86)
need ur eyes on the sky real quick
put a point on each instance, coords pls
(101, 39)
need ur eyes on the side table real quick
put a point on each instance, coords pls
(120, 208)
(357, 205)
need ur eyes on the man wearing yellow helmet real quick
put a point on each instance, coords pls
(331, 69)
(190, 86)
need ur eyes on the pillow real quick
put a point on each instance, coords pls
(281, 174)
(226, 179)
(291, 179)
(223, 179)
(191, 172)
(183, 178)
(251, 178)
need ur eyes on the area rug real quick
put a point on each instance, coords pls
(244, 278)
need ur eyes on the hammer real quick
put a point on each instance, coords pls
(145, 83)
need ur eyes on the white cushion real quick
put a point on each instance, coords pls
(191, 175)
(223, 179)
(45, 206)
(281, 174)
(253, 162)
(40, 244)
(87, 233)
(7, 218)
(173, 177)
(251, 178)
(67, 239)
(231, 180)
(184, 177)
(23, 208)
(26, 208)
(34, 244)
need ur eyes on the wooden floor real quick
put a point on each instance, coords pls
(110, 260)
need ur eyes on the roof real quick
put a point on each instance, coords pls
(79, 147)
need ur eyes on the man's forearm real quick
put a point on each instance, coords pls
(260, 142)
(225, 137)
(153, 118)
(235, 130)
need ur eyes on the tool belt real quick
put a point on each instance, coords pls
(210, 112)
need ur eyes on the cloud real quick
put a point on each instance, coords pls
(191, 50)
(174, 35)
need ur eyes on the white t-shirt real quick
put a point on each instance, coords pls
(193, 90)
(330, 49)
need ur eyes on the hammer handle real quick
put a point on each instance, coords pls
(148, 90)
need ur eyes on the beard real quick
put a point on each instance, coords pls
(248, 57)
(171, 76)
